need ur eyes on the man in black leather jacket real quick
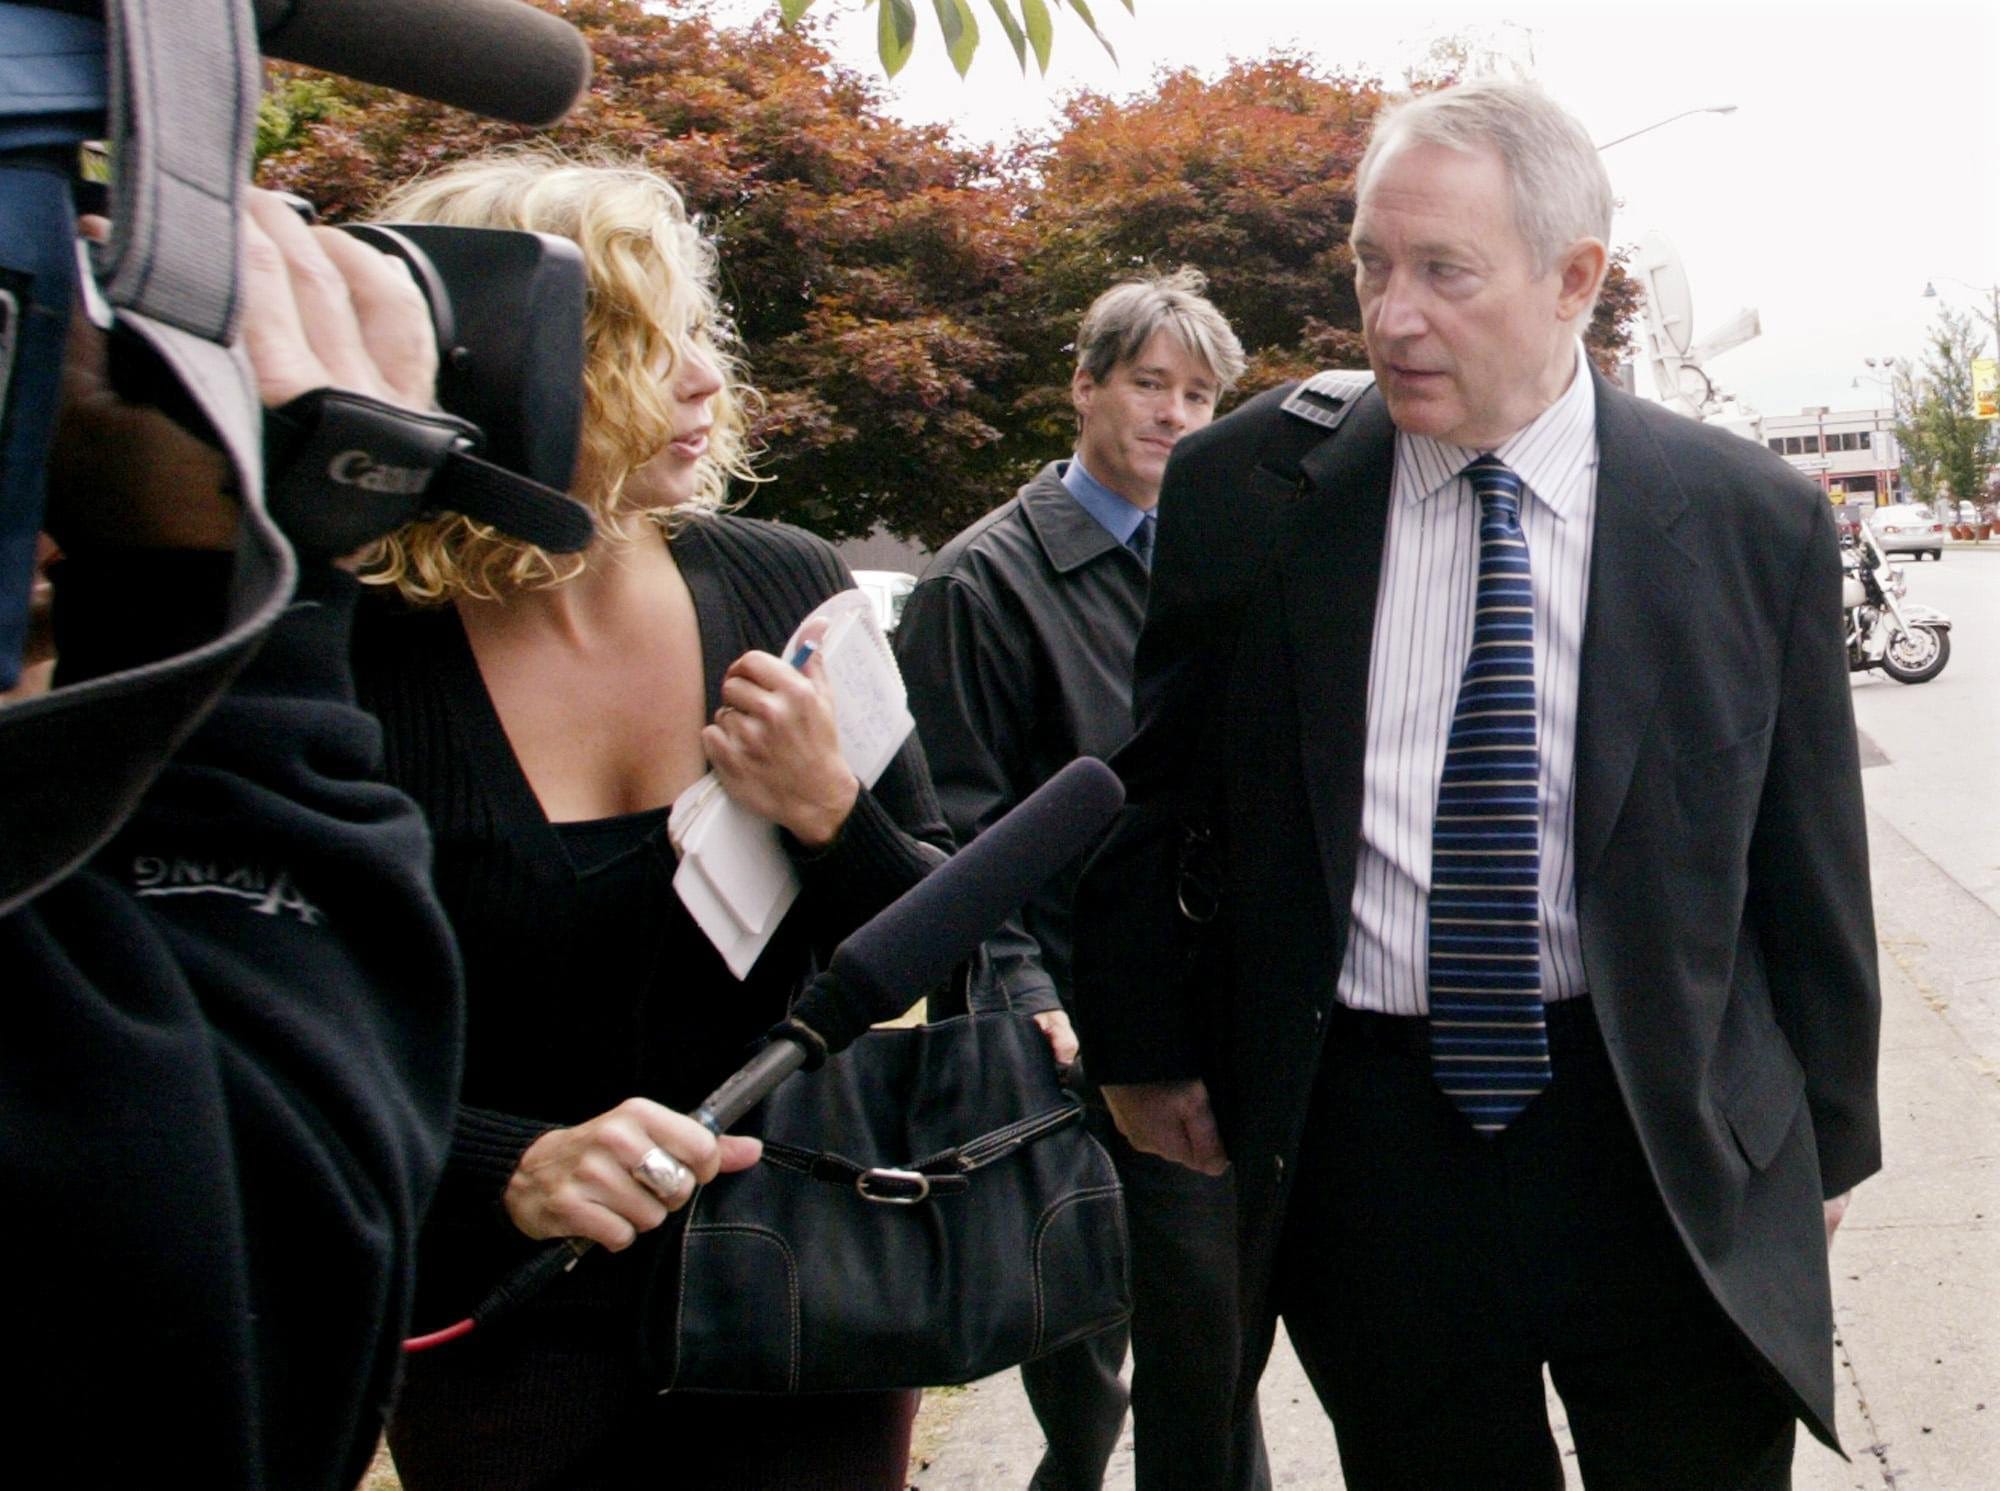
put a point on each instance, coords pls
(1017, 649)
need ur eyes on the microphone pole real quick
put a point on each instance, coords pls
(720, 1110)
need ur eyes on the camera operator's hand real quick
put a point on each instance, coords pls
(324, 310)
(319, 309)
(592, 1180)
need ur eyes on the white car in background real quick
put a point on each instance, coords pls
(887, 590)
(1910, 528)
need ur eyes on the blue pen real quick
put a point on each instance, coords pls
(804, 655)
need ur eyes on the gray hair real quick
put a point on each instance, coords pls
(1124, 318)
(1560, 188)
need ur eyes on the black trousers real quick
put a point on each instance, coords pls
(1427, 1274)
(554, 1415)
(1187, 1433)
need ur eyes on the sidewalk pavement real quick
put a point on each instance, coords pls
(1916, 1264)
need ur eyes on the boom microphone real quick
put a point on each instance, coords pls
(909, 947)
(500, 58)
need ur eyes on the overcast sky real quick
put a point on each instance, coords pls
(1862, 161)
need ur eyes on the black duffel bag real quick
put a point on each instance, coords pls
(929, 1210)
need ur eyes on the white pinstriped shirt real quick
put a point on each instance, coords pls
(1423, 635)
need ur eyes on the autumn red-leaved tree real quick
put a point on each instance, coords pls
(1249, 177)
(906, 304)
(869, 265)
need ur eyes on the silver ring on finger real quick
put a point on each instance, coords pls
(665, 1176)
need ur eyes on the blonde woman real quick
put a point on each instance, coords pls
(545, 712)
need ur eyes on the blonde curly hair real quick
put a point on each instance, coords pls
(651, 291)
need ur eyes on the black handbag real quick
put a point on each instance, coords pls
(929, 1210)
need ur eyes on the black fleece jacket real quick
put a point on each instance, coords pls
(228, 1054)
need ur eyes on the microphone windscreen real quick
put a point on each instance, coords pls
(501, 58)
(909, 948)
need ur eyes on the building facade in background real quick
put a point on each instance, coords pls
(1851, 453)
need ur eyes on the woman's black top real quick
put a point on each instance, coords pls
(586, 980)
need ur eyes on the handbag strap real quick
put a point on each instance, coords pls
(942, 1174)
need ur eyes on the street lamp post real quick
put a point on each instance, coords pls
(1882, 442)
(1661, 123)
(1884, 380)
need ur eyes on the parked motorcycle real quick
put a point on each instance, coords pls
(1909, 642)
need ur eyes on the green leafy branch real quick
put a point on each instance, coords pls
(1032, 29)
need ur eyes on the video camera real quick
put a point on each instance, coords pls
(507, 307)
(173, 86)
(507, 310)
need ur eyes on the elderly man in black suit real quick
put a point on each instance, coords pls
(1493, 889)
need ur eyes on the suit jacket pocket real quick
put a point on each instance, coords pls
(1701, 774)
(1761, 1114)
(1762, 1101)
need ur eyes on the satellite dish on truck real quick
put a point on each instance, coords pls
(1669, 301)
(1679, 378)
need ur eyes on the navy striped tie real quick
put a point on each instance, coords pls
(1489, 1033)
(1141, 541)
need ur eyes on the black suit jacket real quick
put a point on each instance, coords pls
(1722, 872)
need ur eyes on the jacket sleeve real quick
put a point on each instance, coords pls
(895, 836)
(1137, 1007)
(1145, 972)
(1809, 887)
(971, 679)
(228, 1052)
(1136, 955)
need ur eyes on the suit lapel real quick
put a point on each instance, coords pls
(1330, 575)
(1637, 575)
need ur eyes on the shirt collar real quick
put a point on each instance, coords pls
(1541, 454)
(1118, 517)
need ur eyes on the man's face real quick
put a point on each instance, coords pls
(1468, 342)
(1129, 422)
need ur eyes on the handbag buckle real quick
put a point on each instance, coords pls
(909, 1186)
